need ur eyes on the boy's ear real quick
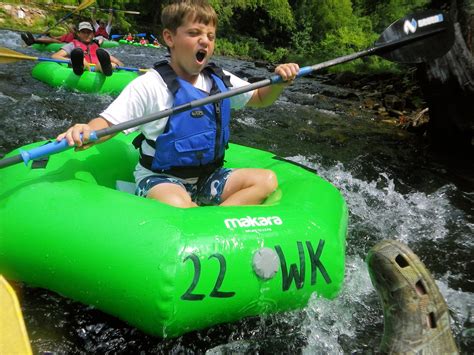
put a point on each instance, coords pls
(168, 38)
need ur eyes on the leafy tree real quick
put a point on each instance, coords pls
(387, 12)
(269, 21)
(324, 15)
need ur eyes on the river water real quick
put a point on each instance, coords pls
(394, 187)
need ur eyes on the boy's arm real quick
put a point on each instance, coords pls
(61, 54)
(93, 16)
(111, 17)
(267, 95)
(116, 61)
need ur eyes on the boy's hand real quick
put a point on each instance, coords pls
(73, 136)
(287, 71)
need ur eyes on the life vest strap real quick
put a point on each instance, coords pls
(170, 78)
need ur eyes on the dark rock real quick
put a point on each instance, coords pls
(261, 64)
(254, 79)
(394, 102)
(448, 86)
(345, 78)
(339, 93)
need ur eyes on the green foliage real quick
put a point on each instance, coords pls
(386, 12)
(232, 48)
(277, 10)
(302, 41)
(353, 37)
(248, 48)
(304, 31)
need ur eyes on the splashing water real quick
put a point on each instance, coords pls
(378, 211)
(329, 320)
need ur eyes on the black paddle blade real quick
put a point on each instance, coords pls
(425, 36)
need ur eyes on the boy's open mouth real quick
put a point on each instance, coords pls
(200, 55)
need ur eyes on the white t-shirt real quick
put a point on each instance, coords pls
(147, 95)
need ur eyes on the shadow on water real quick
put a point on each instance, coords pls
(395, 189)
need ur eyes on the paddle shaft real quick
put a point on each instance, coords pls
(114, 10)
(46, 31)
(57, 147)
(266, 82)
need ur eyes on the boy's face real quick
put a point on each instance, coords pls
(191, 47)
(85, 35)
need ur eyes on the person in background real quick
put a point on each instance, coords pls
(128, 37)
(101, 28)
(68, 37)
(84, 51)
(143, 41)
(181, 156)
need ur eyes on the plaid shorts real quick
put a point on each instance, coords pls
(205, 191)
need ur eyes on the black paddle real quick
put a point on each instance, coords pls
(413, 39)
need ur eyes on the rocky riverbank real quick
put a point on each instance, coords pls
(393, 98)
(22, 17)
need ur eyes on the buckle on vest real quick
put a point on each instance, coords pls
(197, 113)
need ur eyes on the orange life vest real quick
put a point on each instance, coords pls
(68, 37)
(101, 31)
(90, 51)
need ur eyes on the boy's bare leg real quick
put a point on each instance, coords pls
(248, 187)
(171, 194)
(45, 40)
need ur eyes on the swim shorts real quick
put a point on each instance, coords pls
(205, 191)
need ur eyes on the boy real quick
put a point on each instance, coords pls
(186, 168)
(29, 39)
(102, 29)
(83, 51)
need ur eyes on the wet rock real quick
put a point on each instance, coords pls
(347, 78)
(394, 102)
(370, 104)
(260, 63)
(254, 79)
(302, 98)
(395, 113)
(387, 95)
(339, 93)
(416, 121)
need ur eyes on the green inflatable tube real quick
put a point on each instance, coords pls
(65, 227)
(109, 44)
(54, 47)
(136, 44)
(60, 75)
(50, 47)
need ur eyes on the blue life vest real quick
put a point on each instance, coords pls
(193, 142)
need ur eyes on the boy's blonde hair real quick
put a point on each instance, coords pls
(176, 13)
